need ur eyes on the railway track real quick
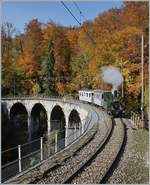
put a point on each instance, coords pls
(62, 173)
(98, 168)
(93, 162)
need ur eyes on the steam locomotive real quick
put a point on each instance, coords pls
(109, 100)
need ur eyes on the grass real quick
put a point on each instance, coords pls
(136, 170)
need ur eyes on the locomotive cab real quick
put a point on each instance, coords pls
(116, 109)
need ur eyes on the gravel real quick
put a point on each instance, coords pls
(95, 171)
(132, 168)
(72, 164)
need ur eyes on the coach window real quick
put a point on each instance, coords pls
(87, 94)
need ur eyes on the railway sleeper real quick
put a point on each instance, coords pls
(97, 169)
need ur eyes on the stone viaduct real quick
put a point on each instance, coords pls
(52, 107)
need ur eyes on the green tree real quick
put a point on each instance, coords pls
(12, 74)
(48, 71)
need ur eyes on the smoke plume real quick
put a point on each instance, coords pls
(112, 76)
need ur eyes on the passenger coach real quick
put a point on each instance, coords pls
(97, 97)
(86, 95)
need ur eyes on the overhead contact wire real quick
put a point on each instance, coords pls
(77, 20)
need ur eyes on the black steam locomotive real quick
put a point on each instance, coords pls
(113, 105)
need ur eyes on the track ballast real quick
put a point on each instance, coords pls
(61, 173)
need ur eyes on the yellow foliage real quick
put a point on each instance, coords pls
(60, 88)
(35, 89)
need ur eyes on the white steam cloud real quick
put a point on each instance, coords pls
(112, 76)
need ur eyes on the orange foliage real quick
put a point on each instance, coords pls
(77, 60)
(60, 88)
(28, 64)
(30, 69)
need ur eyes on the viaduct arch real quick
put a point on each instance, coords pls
(57, 114)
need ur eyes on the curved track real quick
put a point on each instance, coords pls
(63, 172)
(97, 169)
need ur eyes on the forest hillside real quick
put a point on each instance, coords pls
(50, 59)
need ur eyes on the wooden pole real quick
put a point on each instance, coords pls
(122, 86)
(142, 78)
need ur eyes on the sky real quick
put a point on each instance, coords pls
(20, 13)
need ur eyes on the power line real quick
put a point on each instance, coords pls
(76, 5)
(86, 31)
(70, 12)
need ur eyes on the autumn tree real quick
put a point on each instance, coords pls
(33, 39)
(32, 45)
(62, 60)
(66, 59)
(29, 66)
(135, 15)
